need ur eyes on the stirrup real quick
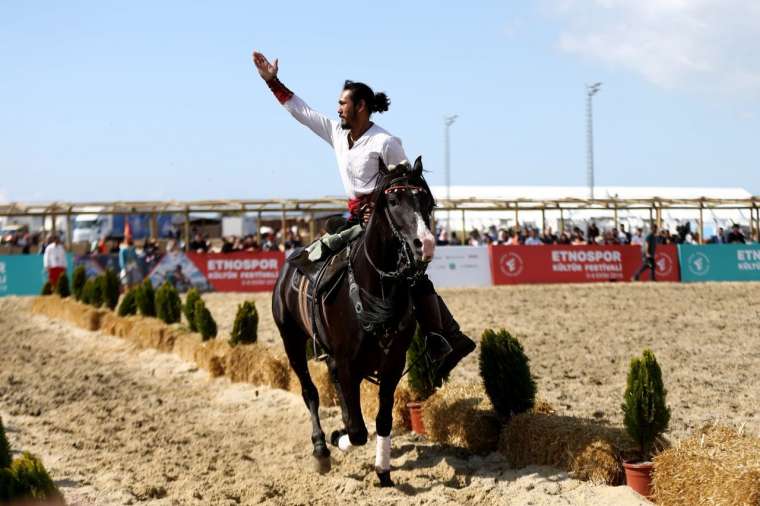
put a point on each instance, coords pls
(436, 359)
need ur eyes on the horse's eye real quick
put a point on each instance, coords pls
(393, 202)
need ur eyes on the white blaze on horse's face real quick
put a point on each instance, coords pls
(405, 210)
(425, 237)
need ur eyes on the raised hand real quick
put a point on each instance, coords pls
(266, 70)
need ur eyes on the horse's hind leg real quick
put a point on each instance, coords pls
(295, 346)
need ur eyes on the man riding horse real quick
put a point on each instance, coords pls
(360, 146)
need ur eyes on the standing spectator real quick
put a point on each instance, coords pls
(638, 238)
(736, 235)
(54, 259)
(442, 238)
(267, 242)
(592, 232)
(577, 239)
(198, 244)
(564, 238)
(648, 260)
(129, 270)
(454, 241)
(718, 238)
(503, 236)
(624, 236)
(549, 237)
(474, 238)
(533, 239)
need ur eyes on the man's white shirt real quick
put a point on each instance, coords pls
(55, 256)
(358, 165)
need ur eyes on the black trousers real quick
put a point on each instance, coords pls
(648, 263)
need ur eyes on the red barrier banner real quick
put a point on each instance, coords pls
(575, 264)
(240, 272)
(666, 263)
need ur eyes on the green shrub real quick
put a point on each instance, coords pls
(5, 448)
(421, 370)
(192, 297)
(32, 480)
(245, 328)
(47, 289)
(168, 303)
(8, 486)
(146, 298)
(505, 372)
(97, 289)
(88, 291)
(128, 304)
(78, 279)
(62, 286)
(204, 322)
(645, 414)
(110, 289)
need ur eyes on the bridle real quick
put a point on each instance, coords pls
(406, 268)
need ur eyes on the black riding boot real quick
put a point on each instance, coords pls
(436, 321)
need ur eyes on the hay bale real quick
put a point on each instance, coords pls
(462, 415)
(254, 363)
(185, 345)
(585, 448)
(371, 403)
(718, 465)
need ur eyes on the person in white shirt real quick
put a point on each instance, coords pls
(54, 260)
(359, 146)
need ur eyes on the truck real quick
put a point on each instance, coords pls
(91, 227)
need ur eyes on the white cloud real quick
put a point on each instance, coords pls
(705, 45)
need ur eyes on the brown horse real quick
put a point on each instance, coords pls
(366, 323)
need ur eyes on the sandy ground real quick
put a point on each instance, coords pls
(116, 425)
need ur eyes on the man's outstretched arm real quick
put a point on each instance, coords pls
(317, 123)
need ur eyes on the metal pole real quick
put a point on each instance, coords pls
(187, 229)
(447, 122)
(591, 90)
(283, 226)
(464, 231)
(701, 224)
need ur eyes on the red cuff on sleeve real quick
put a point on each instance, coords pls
(280, 91)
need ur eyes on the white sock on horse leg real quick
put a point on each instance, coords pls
(344, 443)
(383, 453)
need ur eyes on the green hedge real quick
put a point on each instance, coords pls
(505, 371)
(245, 328)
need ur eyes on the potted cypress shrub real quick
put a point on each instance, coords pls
(245, 328)
(78, 279)
(47, 289)
(110, 289)
(505, 371)
(204, 322)
(421, 379)
(62, 286)
(193, 296)
(128, 304)
(646, 417)
(146, 298)
(168, 303)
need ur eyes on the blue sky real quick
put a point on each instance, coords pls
(106, 100)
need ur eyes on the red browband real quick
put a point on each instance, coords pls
(404, 187)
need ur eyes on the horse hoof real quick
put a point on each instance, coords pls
(322, 465)
(385, 478)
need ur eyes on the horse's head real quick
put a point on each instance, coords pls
(403, 198)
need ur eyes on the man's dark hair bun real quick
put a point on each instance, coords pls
(381, 102)
(376, 102)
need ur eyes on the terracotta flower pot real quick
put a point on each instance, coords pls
(638, 476)
(415, 413)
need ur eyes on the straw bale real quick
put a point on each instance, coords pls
(585, 448)
(371, 403)
(254, 363)
(462, 415)
(185, 346)
(717, 465)
(68, 309)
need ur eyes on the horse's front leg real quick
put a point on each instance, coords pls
(347, 385)
(384, 424)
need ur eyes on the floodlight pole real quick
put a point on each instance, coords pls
(591, 90)
(447, 122)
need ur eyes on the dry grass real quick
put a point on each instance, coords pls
(462, 415)
(718, 465)
(587, 449)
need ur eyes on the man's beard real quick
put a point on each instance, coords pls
(345, 123)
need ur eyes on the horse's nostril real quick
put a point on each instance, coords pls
(417, 243)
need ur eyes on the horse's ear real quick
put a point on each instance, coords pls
(381, 167)
(417, 169)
